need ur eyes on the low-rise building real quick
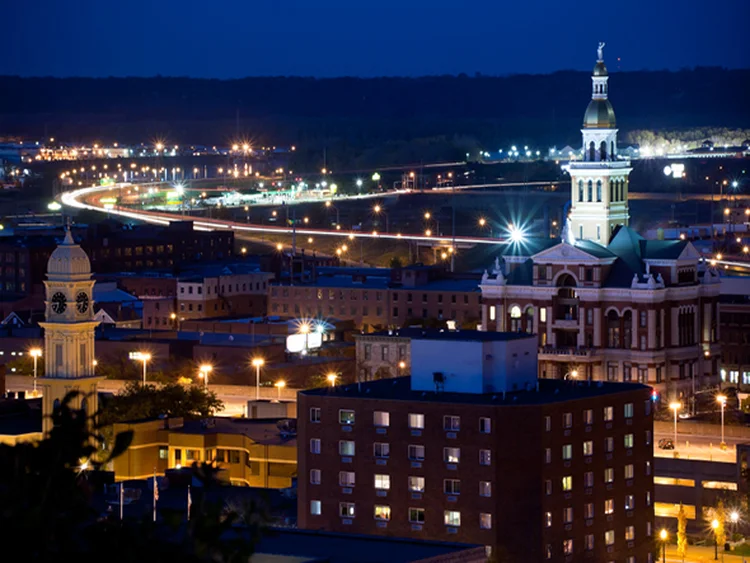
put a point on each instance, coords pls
(473, 447)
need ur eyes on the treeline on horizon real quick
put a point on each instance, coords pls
(366, 119)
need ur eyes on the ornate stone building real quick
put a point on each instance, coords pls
(605, 303)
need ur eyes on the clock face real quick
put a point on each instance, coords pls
(59, 303)
(82, 302)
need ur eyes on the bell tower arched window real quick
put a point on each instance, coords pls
(592, 151)
(590, 190)
(598, 190)
(580, 190)
(603, 150)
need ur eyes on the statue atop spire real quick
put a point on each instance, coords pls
(600, 52)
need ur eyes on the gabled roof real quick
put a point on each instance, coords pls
(582, 251)
(663, 249)
(528, 247)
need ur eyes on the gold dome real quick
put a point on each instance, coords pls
(599, 115)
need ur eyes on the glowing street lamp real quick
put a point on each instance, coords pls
(279, 386)
(663, 536)
(35, 353)
(378, 209)
(331, 377)
(204, 370)
(722, 400)
(482, 221)
(675, 406)
(257, 363)
(734, 516)
(144, 357)
(715, 527)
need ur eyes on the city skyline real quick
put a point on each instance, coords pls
(384, 39)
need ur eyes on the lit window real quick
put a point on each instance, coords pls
(609, 537)
(485, 425)
(568, 514)
(485, 457)
(547, 423)
(567, 420)
(588, 417)
(485, 521)
(382, 512)
(346, 510)
(568, 547)
(315, 446)
(346, 478)
(452, 423)
(609, 414)
(452, 486)
(315, 414)
(381, 449)
(543, 314)
(485, 489)
(315, 476)
(548, 486)
(547, 519)
(382, 482)
(588, 510)
(452, 518)
(609, 475)
(567, 451)
(589, 541)
(381, 418)
(648, 437)
(629, 533)
(609, 506)
(416, 453)
(628, 410)
(346, 448)
(346, 417)
(567, 483)
(451, 455)
(315, 507)
(416, 484)
(548, 455)
(648, 498)
(416, 515)
(648, 468)
(629, 502)
(629, 471)
(628, 440)
(588, 448)
(416, 421)
(492, 312)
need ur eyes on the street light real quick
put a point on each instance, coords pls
(258, 363)
(715, 526)
(378, 209)
(401, 366)
(482, 222)
(734, 516)
(279, 386)
(35, 353)
(664, 536)
(331, 377)
(205, 369)
(675, 406)
(144, 357)
(722, 400)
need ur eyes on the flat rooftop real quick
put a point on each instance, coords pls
(262, 431)
(550, 391)
(452, 335)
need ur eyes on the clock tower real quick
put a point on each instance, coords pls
(68, 331)
(599, 183)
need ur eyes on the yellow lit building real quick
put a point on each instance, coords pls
(254, 453)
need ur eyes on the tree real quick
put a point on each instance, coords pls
(137, 401)
(682, 532)
(720, 515)
(46, 508)
(396, 262)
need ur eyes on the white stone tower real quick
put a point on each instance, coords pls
(68, 331)
(599, 182)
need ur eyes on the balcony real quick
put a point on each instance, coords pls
(566, 351)
(568, 323)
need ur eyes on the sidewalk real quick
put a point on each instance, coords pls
(701, 554)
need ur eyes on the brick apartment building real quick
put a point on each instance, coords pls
(734, 319)
(473, 448)
(380, 297)
(200, 293)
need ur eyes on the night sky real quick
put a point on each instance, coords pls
(235, 38)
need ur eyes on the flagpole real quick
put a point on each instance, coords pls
(122, 497)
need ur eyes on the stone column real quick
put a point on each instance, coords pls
(500, 317)
(634, 331)
(535, 323)
(663, 316)
(485, 316)
(549, 326)
(581, 327)
(674, 328)
(697, 324)
(651, 329)
(597, 327)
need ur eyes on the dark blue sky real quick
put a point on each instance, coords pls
(235, 38)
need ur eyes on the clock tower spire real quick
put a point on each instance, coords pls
(68, 331)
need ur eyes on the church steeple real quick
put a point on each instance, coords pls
(68, 330)
(599, 184)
